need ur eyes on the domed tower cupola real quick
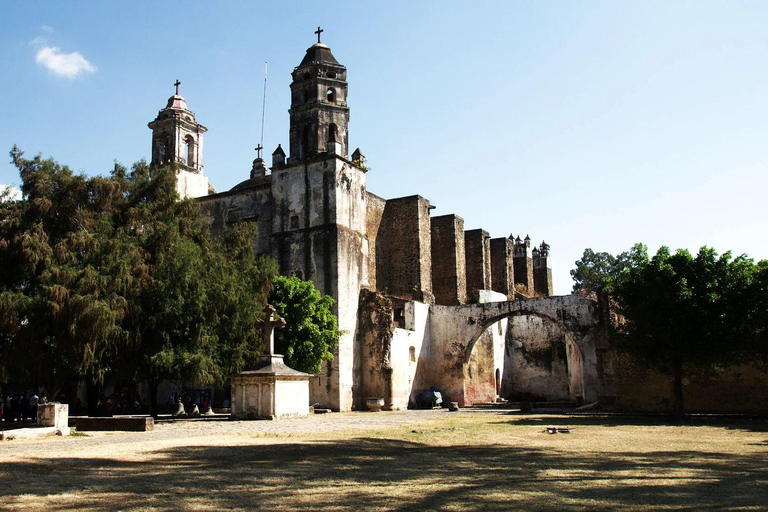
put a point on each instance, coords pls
(319, 112)
(176, 136)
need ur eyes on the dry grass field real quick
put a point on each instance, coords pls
(415, 460)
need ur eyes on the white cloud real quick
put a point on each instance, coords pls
(68, 65)
(47, 28)
(14, 193)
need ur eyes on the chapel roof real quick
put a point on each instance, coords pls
(176, 102)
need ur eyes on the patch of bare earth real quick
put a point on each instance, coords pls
(431, 460)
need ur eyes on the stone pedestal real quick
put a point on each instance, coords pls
(53, 414)
(271, 391)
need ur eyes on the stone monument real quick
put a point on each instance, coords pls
(271, 390)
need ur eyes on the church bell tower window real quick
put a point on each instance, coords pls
(330, 95)
(189, 151)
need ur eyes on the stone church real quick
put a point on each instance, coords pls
(318, 220)
(421, 301)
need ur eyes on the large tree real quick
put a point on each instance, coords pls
(117, 278)
(682, 313)
(311, 332)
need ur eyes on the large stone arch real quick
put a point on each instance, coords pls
(455, 329)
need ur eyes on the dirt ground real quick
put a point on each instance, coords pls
(409, 460)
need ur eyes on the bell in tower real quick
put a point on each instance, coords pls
(319, 112)
(178, 139)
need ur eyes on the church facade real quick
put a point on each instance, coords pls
(382, 260)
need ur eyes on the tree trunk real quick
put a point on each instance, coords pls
(677, 389)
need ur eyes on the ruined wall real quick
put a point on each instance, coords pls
(477, 249)
(523, 267)
(403, 249)
(536, 365)
(374, 213)
(739, 388)
(252, 204)
(373, 344)
(449, 279)
(502, 266)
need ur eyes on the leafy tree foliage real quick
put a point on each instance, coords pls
(681, 313)
(116, 278)
(597, 272)
(311, 332)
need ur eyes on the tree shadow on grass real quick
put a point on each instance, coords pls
(390, 474)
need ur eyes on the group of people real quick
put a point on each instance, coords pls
(20, 407)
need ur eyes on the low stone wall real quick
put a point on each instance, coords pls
(129, 424)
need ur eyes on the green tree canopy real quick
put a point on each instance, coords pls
(116, 277)
(311, 332)
(680, 312)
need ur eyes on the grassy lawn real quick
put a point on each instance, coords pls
(460, 461)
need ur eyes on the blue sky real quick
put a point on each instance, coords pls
(585, 124)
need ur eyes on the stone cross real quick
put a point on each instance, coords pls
(177, 84)
(258, 151)
(268, 328)
(318, 32)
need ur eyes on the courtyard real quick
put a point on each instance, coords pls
(405, 460)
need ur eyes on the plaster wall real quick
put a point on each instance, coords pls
(408, 345)
(291, 399)
(190, 184)
(536, 361)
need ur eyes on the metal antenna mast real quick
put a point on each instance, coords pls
(263, 106)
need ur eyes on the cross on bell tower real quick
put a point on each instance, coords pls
(319, 112)
(177, 84)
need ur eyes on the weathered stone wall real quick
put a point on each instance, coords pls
(453, 331)
(477, 249)
(542, 276)
(251, 204)
(740, 388)
(537, 360)
(502, 266)
(319, 234)
(372, 347)
(449, 278)
(374, 213)
(404, 248)
(523, 269)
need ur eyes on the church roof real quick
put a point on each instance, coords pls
(177, 102)
(319, 53)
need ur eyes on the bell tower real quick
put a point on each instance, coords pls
(319, 113)
(177, 139)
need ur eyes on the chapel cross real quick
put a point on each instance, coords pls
(258, 150)
(177, 84)
(268, 328)
(318, 32)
